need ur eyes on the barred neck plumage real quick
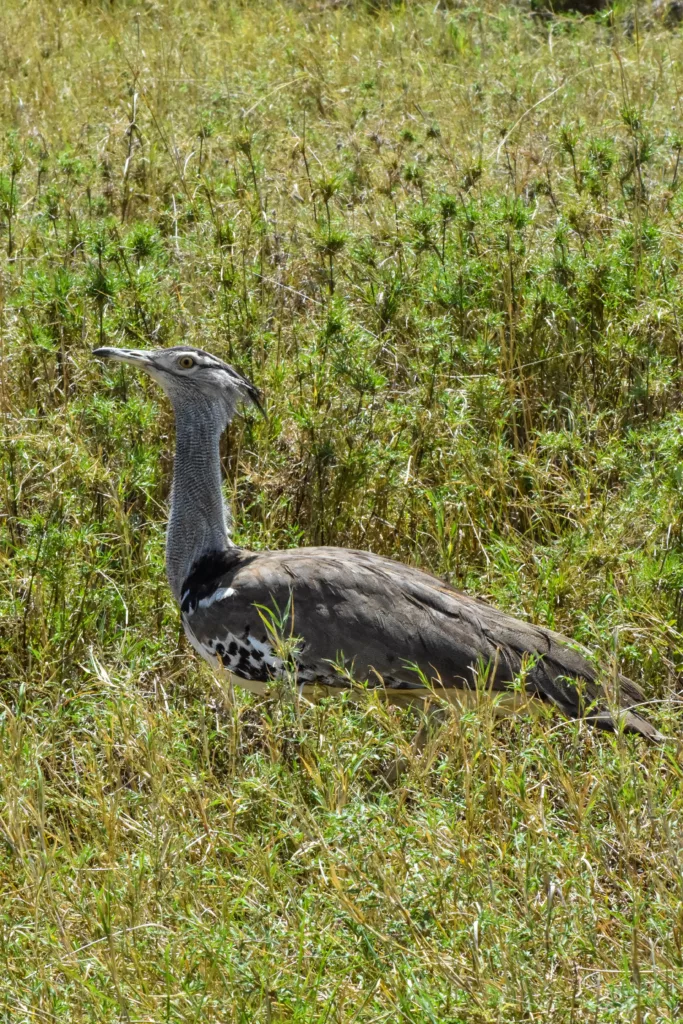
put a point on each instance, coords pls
(199, 520)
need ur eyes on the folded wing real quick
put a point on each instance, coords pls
(384, 621)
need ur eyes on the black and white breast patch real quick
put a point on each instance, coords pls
(240, 653)
(244, 656)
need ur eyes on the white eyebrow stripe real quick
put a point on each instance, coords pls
(218, 595)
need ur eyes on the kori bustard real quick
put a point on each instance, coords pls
(357, 614)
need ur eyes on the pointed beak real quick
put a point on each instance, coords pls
(136, 357)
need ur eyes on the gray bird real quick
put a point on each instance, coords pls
(358, 616)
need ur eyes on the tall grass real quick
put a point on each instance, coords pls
(446, 243)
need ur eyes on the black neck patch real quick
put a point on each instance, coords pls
(205, 575)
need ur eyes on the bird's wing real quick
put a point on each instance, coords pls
(383, 620)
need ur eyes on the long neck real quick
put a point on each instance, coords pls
(197, 523)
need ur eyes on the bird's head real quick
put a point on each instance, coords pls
(196, 382)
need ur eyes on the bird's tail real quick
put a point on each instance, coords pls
(630, 721)
(569, 682)
(627, 716)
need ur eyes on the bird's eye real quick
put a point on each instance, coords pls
(187, 362)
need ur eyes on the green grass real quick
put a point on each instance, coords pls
(447, 244)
